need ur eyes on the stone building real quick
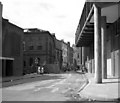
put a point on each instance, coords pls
(98, 32)
(64, 53)
(70, 55)
(12, 49)
(58, 56)
(67, 54)
(77, 60)
(38, 44)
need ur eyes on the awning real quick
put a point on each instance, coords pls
(6, 58)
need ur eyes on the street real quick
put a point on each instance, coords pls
(56, 87)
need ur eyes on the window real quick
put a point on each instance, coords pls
(39, 47)
(31, 47)
(30, 61)
(78, 55)
(24, 63)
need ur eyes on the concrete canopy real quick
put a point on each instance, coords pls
(85, 30)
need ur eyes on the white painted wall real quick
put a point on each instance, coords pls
(108, 58)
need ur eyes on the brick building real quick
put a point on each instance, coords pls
(12, 53)
(38, 44)
(98, 35)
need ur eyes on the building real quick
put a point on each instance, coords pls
(70, 55)
(58, 52)
(38, 44)
(64, 54)
(12, 49)
(98, 32)
(67, 55)
(0, 37)
(77, 60)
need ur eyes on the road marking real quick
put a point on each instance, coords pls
(51, 86)
(38, 89)
(54, 90)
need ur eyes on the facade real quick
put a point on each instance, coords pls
(77, 56)
(12, 53)
(98, 35)
(38, 44)
(70, 55)
(67, 55)
(64, 54)
(58, 52)
(0, 37)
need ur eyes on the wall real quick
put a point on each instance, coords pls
(52, 68)
(46, 54)
(64, 54)
(12, 37)
(113, 46)
(0, 38)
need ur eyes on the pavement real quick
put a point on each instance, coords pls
(107, 91)
(13, 78)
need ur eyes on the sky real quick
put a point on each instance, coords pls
(57, 16)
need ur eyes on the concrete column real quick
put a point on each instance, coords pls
(80, 55)
(90, 61)
(97, 43)
(103, 44)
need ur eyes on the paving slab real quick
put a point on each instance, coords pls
(107, 91)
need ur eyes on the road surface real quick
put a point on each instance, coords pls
(55, 87)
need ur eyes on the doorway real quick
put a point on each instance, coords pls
(9, 67)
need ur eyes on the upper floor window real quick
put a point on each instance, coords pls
(39, 47)
(31, 47)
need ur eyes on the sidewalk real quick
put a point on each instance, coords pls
(14, 78)
(107, 91)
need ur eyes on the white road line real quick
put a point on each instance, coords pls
(38, 89)
(54, 90)
(51, 86)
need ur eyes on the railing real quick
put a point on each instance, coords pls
(85, 13)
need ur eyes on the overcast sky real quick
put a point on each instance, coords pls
(57, 16)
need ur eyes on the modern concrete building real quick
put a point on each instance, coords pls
(38, 44)
(12, 49)
(98, 32)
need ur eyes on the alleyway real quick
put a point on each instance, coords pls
(56, 87)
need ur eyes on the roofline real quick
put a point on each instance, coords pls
(7, 20)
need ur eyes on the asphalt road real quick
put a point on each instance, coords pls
(52, 87)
